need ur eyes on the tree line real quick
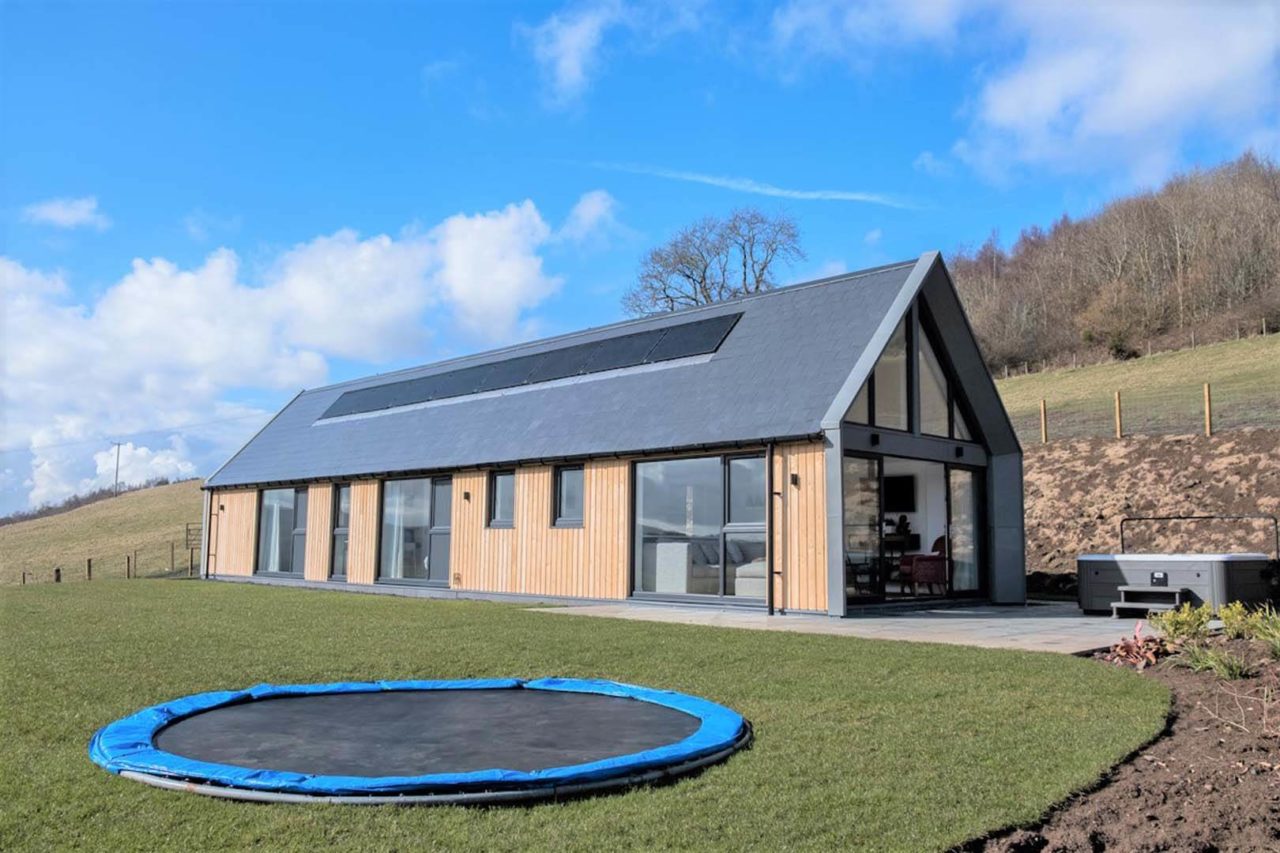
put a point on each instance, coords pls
(1200, 254)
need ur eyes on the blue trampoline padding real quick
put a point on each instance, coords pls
(128, 743)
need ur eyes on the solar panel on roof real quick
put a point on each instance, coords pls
(624, 351)
(697, 337)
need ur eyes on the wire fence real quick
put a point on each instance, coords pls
(1208, 408)
(172, 558)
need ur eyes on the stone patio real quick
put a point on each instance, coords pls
(1042, 627)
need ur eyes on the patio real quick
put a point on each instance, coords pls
(1038, 626)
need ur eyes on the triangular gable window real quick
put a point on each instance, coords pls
(883, 400)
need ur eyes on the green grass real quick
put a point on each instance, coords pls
(1160, 393)
(859, 744)
(146, 520)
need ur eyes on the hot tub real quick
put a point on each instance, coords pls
(1215, 579)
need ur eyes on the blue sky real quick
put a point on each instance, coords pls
(207, 206)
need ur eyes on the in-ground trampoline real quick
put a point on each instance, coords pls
(475, 741)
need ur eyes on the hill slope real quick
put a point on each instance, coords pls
(146, 520)
(1161, 393)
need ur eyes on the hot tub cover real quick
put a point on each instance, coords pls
(128, 745)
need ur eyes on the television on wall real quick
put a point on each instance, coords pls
(900, 493)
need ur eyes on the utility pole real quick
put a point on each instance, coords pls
(115, 490)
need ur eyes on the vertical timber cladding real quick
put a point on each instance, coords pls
(800, 527)
(362, 536)
(234, 514)
(319, 532)
(534, 557)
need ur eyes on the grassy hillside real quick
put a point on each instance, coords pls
(1162, 393)
(146, 520)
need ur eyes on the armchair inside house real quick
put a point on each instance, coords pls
(927, 570)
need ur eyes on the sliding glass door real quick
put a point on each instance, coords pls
(965, 531)
(864, 578)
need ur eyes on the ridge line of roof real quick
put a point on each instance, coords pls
(511, 348)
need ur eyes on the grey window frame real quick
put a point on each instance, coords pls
(491, 499)
(336, 530)
(293, 533)
(558, 518)
(727, 529)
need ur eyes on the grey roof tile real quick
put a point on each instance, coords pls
(774, 376)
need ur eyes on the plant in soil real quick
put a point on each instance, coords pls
(1183, 624)
(1222, 663)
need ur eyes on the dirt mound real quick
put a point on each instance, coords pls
(1077, 491)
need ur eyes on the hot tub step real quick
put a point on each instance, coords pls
(1148, 606)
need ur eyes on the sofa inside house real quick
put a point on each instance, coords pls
(693, 567)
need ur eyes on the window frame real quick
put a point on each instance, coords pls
(292, 533)
(558, 518)
(432, 530)
(491, 500)
(727, 529)
(335, 530)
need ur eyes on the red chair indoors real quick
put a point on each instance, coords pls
(927, 570)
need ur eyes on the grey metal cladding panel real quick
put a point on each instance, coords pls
(774, 376)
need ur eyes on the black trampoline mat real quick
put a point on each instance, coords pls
(417, 732)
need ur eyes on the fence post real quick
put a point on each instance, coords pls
(1119, 419)
(136, 567)
(1193, 338)
(24, 579)
(126, 567)
(1044, 423)
(191, 563)
(1208, 411)
(88, 568)
(172, 563)
(57, 574)
(1264, 326)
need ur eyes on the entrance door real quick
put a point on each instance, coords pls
(966, 575)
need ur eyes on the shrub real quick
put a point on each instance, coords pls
(1221, 663)
(1183, 623)
(1264, 624)
(1236, 620)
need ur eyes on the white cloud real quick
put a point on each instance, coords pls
(202, 227)
(872, 237)
(595, 213)
(567, 47)
(828, 269)
(749, 185)
(1072, 86)
(67, 213)
(161, 349)
(931, 164)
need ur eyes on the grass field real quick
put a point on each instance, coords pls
(1161, 393)
(860, 744)
(146, 520)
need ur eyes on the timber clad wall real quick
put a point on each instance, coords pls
(800, 527)
(232, 531)
(362, 560)
(533, 557)
(319, 532)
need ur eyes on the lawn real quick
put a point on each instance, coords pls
(859, 744)
(1160, 393)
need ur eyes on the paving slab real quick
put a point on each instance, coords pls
(1043, 627)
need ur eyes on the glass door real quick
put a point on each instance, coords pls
(863, 563)
(965, 531)
(438, 537)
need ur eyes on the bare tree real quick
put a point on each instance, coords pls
(714, 259)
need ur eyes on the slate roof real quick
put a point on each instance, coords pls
(773, 377)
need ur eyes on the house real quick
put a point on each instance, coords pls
(812, 448)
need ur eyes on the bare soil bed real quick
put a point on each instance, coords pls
(1211, 782)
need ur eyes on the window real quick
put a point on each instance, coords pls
(415, 530)
(569, 497)
(700, 527)
(282, 531)
(959, 426)
(934, 393)
(891, 397)
(341, 526)
(502, 499)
